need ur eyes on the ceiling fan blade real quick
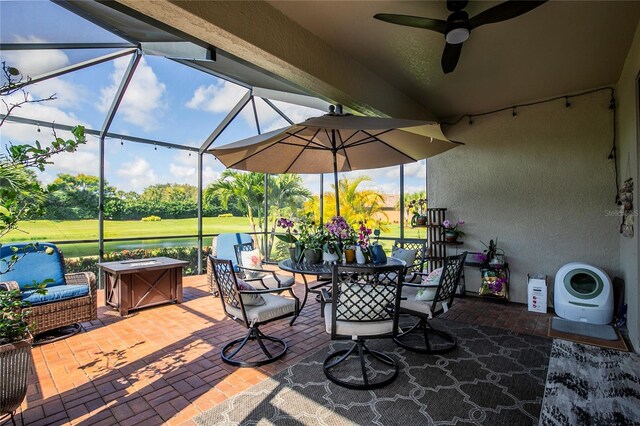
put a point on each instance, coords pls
(414, 21)
(450, 57)
(507, 10)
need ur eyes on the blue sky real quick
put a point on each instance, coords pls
(165, 101)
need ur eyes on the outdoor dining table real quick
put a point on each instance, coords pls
(323, 273)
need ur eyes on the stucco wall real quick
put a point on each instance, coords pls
(539, 182)
(628, 153)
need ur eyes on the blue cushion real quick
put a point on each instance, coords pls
(225, 243)
(33, 264)
(55, 294)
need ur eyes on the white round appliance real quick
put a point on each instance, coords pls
(583, 293)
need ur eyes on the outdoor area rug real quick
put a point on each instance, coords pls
(588, 385)
(493, 377)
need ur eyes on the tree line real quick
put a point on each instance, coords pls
(76, 197)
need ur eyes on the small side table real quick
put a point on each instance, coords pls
(140, 283)
(500, 272)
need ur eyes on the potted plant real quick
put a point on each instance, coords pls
(337, 232)
(295, 251)
(311, 239)
(418, 207)
(15, 348)
(363, 247)
(451, 231)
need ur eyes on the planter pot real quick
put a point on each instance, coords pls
(350, 255)
(360, 259)
(450, 237)
(313, 256)
(15, 359)
(421, 220)
(295, 253)
(329, 257)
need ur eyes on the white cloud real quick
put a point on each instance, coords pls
(184, 168)
(144, 99)
(223, 96)
(34, 62)
(216, 98)
(24, 133)
(66, 93)
(411, 170)
(136, 175)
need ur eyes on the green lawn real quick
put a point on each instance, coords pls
(48, 230)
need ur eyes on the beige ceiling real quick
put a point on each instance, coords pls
(337, 51)
(558, 48)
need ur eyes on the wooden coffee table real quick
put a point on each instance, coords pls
(140, 283)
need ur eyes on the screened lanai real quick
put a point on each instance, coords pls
(153, 101)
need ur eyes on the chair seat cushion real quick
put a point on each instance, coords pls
(285, 281)
(274, 306)
(355, 328)
(55, 294)
(411, 301)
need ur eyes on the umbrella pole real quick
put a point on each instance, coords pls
(334, 151)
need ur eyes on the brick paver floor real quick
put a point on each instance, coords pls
(162, 365)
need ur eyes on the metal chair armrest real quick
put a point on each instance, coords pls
(418, 285)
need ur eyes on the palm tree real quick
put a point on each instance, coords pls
(246, 189)
(286, 196)
(355, 205)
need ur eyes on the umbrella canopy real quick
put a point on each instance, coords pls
(336, 143)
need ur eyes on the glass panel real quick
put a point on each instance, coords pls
(242, 127)
(298, 113)
(268, 117)
(43, 21)
(415, 190)
(71, 206)
(219, 218)
(78, 100)
(151, 192)
(168, 101)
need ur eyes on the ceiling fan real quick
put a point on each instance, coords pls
(458, 26)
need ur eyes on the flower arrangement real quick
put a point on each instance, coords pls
(338, 232)
(363, 236)
(452, 229)
(288, 237)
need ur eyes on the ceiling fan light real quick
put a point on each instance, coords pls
(457, 35)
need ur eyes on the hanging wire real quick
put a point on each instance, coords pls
(567, 104)
(565, 97)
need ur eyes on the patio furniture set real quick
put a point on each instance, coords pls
(358, 303)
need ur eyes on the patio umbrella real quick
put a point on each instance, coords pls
(336, 143)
